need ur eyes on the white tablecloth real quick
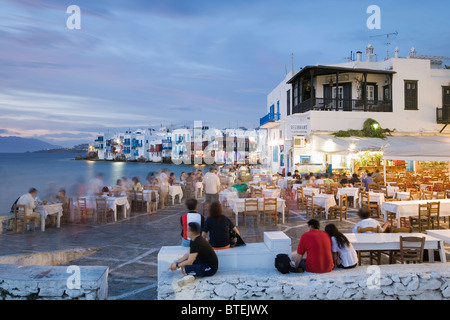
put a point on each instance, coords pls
(325, 201)
(391, 241)
(50, 209)
(271, 193)
(175, 191)
(411, 208)
(228, 195)
(350, 192)
(238, 205)
(402, 194)
(111, 203)
(377, 197)
(310, 191)
(391, 190)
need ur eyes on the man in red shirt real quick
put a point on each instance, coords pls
(317, 245)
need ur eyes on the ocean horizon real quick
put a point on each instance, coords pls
(49, 172)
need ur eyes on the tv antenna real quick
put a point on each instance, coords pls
(387, 35)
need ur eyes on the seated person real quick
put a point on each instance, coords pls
(344, 255)
(200, 260)
(366, 221)
(191, 216)
(317, 246)
(240, 187)
(219, 227)
(354, 179)
(344, 180)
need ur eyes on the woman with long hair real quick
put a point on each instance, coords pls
(219, 227)
(344, 255)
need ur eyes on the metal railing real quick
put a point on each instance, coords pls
(270, 117)
(322, 104)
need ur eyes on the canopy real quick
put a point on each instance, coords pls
(333, 145)
(418, 148)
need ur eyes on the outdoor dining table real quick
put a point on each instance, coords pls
(390, 190)
(350, 192)
(271, 193)
(444, 235)
(228, 195)
(377, 197)
(402, 195)
(175, 191)
(309, 191)
(325, 201)
(50, 209)
(411, 208)
(111, 203)
(238, 206)
(391, 241)
(148, 197)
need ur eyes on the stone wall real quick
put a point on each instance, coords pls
(404, 282)
(53, 283)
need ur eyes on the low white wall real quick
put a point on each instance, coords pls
(404, 282)
(53, 283)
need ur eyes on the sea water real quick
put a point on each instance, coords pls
(49, 172)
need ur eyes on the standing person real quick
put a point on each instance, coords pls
(219, 227)
(163, 187)
(344, 255)
(317, 245)
(200, 260)
(211, 183)
(191, 216)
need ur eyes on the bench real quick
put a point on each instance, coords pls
(259, 255)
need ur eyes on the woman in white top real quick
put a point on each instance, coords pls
(344, 255)
(366, 221)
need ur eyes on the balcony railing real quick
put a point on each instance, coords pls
(443, 115)
(270, 117)
(321, 104)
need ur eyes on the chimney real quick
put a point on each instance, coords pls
(369, 53)
(358, 56)
(396, 52)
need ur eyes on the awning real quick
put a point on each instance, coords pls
(418, 148)
(342, 146)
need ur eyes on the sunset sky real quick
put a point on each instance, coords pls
(140, 63)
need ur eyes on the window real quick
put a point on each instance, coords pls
(288, 102)
(411, 95)
(295, 95)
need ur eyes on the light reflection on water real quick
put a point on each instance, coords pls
(50, 172)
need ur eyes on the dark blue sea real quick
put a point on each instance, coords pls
(48, 172)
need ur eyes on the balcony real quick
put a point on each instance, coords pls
(329, 104)
(99, 139)
(136, 144)
(268, 118)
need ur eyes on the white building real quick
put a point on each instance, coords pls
(409, 95)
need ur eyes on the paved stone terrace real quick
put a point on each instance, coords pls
(130, 246)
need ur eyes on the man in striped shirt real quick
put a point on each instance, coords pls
(190, 216)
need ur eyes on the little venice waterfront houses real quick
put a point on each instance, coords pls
(408, 95)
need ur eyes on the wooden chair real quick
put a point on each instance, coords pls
(270, 209)
(372, 207)
(250, 210)
(373, 186)
(434, 209)
(323, 188)
(257, 193)
(421, 221)
(102, 211)
(340, 209)
(334, 188)
(301, 200)
(83, 209)
(411, 250)
(310, 185)
(394, 253)
(427, 195)
(312, 209)
(138, 204)
(439, 195)
(415, 195)
(373, 255)
(21, 217)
